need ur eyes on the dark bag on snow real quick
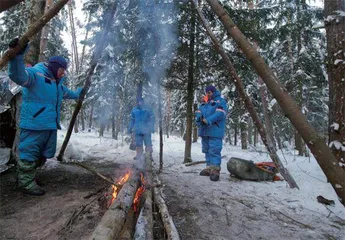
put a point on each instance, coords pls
(247, 170)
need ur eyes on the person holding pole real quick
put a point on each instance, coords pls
(42, 94)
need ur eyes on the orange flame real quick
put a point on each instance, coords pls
(117, 189)
(138, 194)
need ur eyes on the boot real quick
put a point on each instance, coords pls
(205, 172)
(139, 151)
(26, 178)
(149, 150)
(214, 173)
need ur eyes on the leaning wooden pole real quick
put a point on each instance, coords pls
(94, 60)
(248, 104)
(328, 163)
(114, 218)
(32, 31)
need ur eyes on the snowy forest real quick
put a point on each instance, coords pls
(280, 66)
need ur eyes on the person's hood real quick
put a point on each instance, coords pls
(215, 95)
(43, 67)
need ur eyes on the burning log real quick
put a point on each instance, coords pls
(144, 226)
(114, 219)
(169, 225)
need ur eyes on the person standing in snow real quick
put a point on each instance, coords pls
(42, 94)
(210, 119)
(142, 121)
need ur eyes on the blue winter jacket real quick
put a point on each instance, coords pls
(214, 111)
(42, 95)
(142, 120)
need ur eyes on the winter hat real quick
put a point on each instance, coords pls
(210, 88)
(56, 62)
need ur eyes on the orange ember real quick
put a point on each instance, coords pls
(120, 182)
(138, 194)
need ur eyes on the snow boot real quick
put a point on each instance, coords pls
(139, 151)
(214, 173)
(26, 178)
(205, 172)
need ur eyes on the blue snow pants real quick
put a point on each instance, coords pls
(212, 148)
(37, 143)
(140, 138)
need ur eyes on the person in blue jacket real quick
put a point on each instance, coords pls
(142, 121)
(42, 94)
(210, 119)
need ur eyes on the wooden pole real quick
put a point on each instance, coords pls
(249, 105)
(95, 58)
(33, 30)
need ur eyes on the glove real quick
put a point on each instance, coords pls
(205, 121)
(14, 43)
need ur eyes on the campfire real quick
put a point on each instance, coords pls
(136, 209)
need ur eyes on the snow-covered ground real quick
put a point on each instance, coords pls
(230, 208)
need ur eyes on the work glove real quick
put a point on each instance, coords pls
(205, 121)
(14, 42)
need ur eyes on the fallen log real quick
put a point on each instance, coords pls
(113, 220)
(144, 226)
(169, 225)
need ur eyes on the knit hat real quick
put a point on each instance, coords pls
(210, 88)
(56, 62)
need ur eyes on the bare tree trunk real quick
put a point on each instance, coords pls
(335, 30)
(160, 127)
(167, 122)
(33, 29)
(255, 136)
(91, 115)
(322, 153)
(82, 119)
(6, 4)
(244, 135)
(44, 36)
(249, 105)
(195, 129)
(250, 131)
(84, 46)
(36, 12)
(96, 56)
(76, 125)
(74, 38)
(190, 91)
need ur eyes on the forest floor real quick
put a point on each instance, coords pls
(201, 209)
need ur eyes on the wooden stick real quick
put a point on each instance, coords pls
(107, 179)
(169, 225)
(113, 220)
(94, 61)
(194, 163)
(33, 29)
